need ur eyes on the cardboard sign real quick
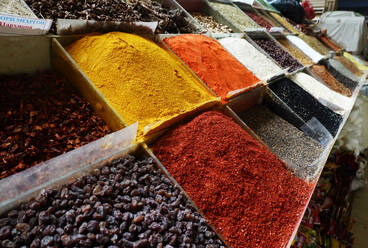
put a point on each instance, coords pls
(12, 24)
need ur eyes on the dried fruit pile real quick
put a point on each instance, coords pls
(40, 118)
(284, 59)
(129, 203)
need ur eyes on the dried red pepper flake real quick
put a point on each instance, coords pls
(40, 118)
(243, 189)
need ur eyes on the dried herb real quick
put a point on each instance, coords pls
(40, 118)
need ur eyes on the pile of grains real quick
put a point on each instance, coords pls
(351, 80)
(259, 20)
(210, 25)
(258, 63)
(329, 80)
(305, 105)
(15, 7)
(315, 44)
(235, 15)
(128, 203)
(212, 63)
(303, 46)
(349, 65)
(41, 118)
(169, 21)
(284, 59)
(322, 93)
(296, 149)
(298, 54)
(347, 82)
(285, 23)
(243, 189)
(140, 80)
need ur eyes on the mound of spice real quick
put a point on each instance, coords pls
(330, 43)
(343, 75)
(284, 59)
(212, 63)
(296, 149)
(285, 23)
(210, 25)
(315, 44)
(329, 80)
(243, 189)
(169, 21)
(128, 203)
(258, 63)
(325, 95)
(259, 20)
(305, 105)
(349, 65)
(298, 54)
(235, 15)
(140, 80)
(41, 118)
(15, 7)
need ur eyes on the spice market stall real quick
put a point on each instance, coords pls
(175, 135)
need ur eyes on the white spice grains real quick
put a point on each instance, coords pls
(15, 7)
(251, 58)
(325, 95)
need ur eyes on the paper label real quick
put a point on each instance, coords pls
(276, 30)
(11, 24)
(250, 2)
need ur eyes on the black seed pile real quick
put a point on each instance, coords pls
(296, 149)
(284, 59)
(305, 105)
(128, 203)
(170, 21)
(347, 82)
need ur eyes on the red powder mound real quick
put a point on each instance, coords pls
(212, 63)
(242, 188)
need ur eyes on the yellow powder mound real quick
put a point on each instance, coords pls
(139, 79)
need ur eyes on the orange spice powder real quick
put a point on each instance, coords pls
(212, 63)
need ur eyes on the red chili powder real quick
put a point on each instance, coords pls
(243, 189)
(212, 63)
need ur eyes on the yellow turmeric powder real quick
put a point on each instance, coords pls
(139, 79)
